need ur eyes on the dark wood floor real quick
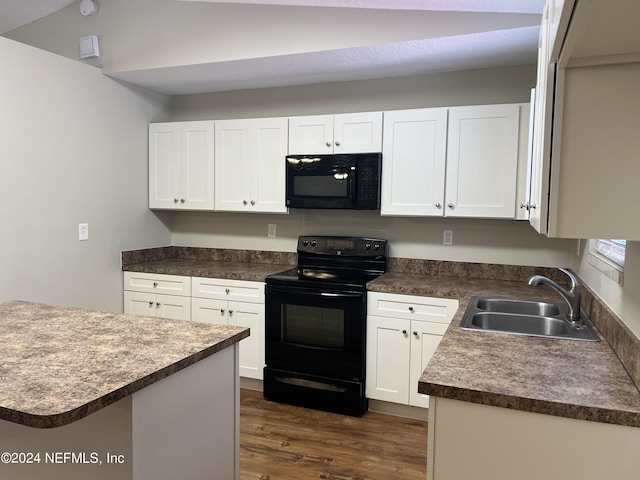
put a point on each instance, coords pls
(280, 441)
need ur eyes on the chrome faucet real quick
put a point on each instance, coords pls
(571, 296)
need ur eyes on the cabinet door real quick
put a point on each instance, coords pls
(196, 165)
(425, 337)
(233, 170)
(138, 303)
(171, 306)
(482, 161)
(413, 166)
(225, 289)
(357, 132)
(208, 310)
(388, 359)
(250, 315)
(543, 115)
(268, 151)
(311, 135)
(164, 165)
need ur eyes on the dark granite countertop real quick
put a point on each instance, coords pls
(255, 272)
(573, 379)
(249, 265)
(60, 364)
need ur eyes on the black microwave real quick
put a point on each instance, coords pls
(334, 181)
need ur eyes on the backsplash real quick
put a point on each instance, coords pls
(622, 340)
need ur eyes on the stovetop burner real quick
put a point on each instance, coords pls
(338, 261)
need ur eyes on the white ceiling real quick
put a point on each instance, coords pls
(485, 49)
(15, 13)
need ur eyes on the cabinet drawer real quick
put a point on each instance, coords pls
(157, 283)
(440, 310)
(224, 289)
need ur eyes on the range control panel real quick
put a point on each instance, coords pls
(351, 246)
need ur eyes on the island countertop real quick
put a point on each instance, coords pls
(60, 364)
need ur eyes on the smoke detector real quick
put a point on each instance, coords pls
(87, 7)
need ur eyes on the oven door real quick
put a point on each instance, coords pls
(321, 181)
(315, 331)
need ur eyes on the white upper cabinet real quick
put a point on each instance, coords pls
(414, 159)
(482, 161)
(250, 165)
(329, 134)
(454, 162)
(584, 163)
(181, 165)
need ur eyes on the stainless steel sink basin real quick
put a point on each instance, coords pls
(517, 306)
(519, 317)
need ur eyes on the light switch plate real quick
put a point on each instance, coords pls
(83, 231)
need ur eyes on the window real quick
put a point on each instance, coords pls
(614, 250)
(607, 256)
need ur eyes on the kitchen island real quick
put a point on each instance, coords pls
(88, 394)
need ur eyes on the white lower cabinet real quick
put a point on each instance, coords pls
(157, 295)
(213, 300)
(403, 331)
(157, 305)
(238, 303)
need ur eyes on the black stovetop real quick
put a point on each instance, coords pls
(335, 261)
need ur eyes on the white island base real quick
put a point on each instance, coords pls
(184, 426)
(480, 442)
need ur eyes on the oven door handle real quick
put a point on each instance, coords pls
(338, 294)
(317, 293)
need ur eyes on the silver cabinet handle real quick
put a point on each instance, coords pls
(415, 334)
(230, 312)
(404, 332)
(155, 284)
(337, 143)
(253, 202)
(451, 205)
(533, 206)
(175, 200)
(328, 144)
(222, 311)
(438, 205)
(411, 309)
(150, 304)
(244, 202)
(227, 291)
(157, 304)
(182, 200)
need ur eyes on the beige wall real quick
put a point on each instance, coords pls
(73, 148)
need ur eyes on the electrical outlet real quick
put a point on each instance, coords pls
(83, 231)
(447, 237)
(271, 230)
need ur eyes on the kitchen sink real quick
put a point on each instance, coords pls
(521, 317)
(517, 306)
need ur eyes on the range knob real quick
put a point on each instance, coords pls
(313, 243)
(305, 242)
(376, 247)
(367, 246)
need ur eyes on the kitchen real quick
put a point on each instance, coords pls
(77, 144)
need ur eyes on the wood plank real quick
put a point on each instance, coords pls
(279, 441)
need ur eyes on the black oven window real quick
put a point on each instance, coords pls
(318, 327)
(322, 186)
